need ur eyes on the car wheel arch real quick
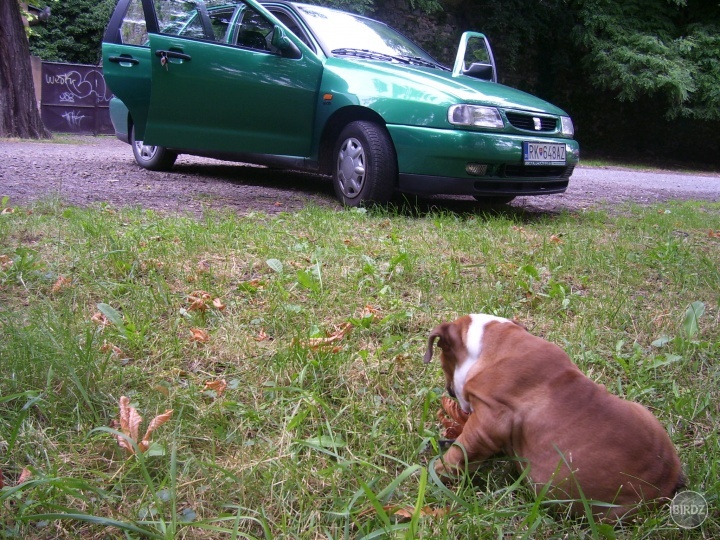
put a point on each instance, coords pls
(334, 126)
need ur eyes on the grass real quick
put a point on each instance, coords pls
(326, 441)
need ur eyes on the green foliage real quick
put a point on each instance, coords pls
(73, 33)
(648, 47)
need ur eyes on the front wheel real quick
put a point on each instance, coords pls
(153, 158)
(365, 167)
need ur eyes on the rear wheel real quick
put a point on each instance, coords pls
(154, 158)
(365, 166)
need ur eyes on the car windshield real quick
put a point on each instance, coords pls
(345, 34)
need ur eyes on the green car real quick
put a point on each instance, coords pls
(305, 87)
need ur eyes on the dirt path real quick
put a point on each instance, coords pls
(92, 170)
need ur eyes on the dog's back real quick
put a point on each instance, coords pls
(570, 431)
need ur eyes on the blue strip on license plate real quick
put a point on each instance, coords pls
(543, 153)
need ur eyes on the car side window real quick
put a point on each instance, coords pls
(255, 32)
(232, 22)
(221, 20)
(292, 24)
(206, 21)
(133, 30)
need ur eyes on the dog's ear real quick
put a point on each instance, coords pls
(436, 333)
(440, 331)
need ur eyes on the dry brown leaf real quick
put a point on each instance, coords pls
(129, 424)
(130, 421)
(201, 300)
(341, 332)
(217, 386)
(100, 319)
(405, 513)
(196, 305)
(25, 475)
(156, 422)
(369, 311)
(109, 347)
(555, 239)
(714, 234)
(61, 283)
(5, 262)
(8, 210)
(261, 336)
(198, 300)
(199, 335)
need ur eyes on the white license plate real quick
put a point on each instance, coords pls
(543, 153)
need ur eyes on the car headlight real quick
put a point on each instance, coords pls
(567, 126)
(475, 115)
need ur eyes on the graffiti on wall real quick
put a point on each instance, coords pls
(73, 85)
(75, 98)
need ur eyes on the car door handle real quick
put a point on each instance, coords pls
(173, 54)
(123, 60)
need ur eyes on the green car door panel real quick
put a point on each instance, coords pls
(258, 102)
(128, 74)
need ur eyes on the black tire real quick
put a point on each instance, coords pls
(494, 200)
(365, 165)
(153, 158)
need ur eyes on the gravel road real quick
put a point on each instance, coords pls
(91, 170)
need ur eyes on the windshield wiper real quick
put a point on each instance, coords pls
(420, 61)
(363, 53)
(374, 55)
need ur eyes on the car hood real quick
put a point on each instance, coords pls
(366, 78)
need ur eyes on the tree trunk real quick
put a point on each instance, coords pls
(19, 114)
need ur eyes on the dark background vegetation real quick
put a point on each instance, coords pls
(641, 78)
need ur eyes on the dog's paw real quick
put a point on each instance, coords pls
(446, 472)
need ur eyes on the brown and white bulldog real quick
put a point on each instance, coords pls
(527, 399)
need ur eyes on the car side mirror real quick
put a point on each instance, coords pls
(475, 58)
(284, 44)
(480, 71)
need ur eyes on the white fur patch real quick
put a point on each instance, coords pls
(473, 345)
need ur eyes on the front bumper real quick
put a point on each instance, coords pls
(419, 184)
(435, 161)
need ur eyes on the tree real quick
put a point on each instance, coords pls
(665, 49)
(19, 114)
(73, 33)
